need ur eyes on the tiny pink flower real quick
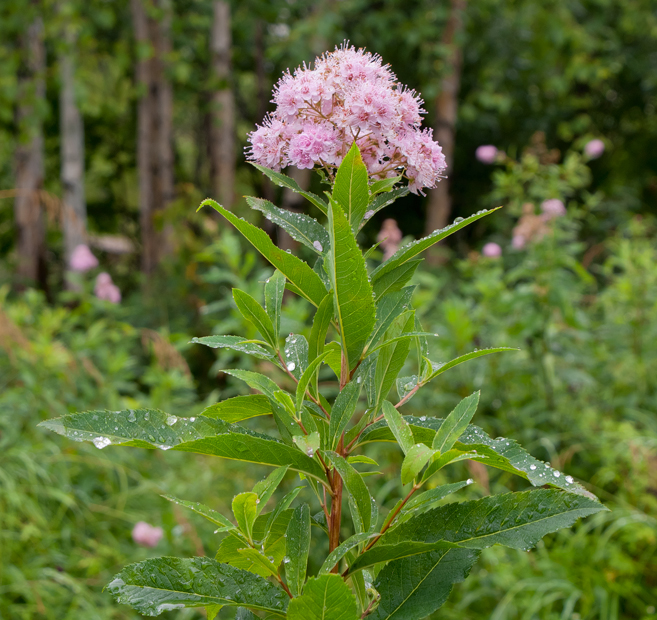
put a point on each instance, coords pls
(106, 289)
(553, 208)
(82, 259)
(146, 535)
(486, 154)
(594, 148)
(518, 242)
(491, 250)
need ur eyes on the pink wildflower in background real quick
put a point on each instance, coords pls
(390, 237)
(491, 250)
(146, 535)
(486, 154)
(106, 289)
(82, 259)
(348, 96)
(553, 208)
(594, 148)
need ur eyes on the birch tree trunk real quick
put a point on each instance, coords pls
(446, 111)
(154, 131)
(222, 145)
(74, 215)
(28, 163)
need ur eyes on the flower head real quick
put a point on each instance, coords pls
(553, 208)
(486, 153)
(106, 289)
(491, 250)
(594, 148)
(348, 96)
(82, 259)
(146, 535)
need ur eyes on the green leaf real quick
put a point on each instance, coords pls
(264, 489)
(324, 598)
(252, 311)
(161, 584)
(239, 408)
(212, 611)
(384, 185)
(245, 509)
(388, 309)
(343, 410)
(274, 290)
(446, 458)
(306, 379)
(255, 381)
(415, 587)
(517, 520)
(414, 248)
(456, 423)
(416, 458)
(439, 369)
(243, 614)
(302, 228)
(352, 292)
(381, 201)
(296, 354)
(308, 444)
(236, 343)
(284, 181)
(203, 510)
(305, 281)
(362, 459)
(399, 427)
(360, 501)
(396, 279)
(428, 499)
(298, 546)
(339, 552)
(351, 190)
(320, 327)
(260, 560)
(386, 553)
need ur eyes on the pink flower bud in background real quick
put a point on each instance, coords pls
(389, 236)
(82, 259)
(106, 289)
(146, 535)
(553, 208)
(594, 148)
(491, 250)
(486, 154)
(518, 242)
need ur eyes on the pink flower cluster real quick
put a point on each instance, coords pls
(146, 535)
(106, 289)
(348, 96)
(82, 259)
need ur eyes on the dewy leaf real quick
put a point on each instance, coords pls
(236, 343)
(162, 584)
(416, 458)
(284, 181)
(245, 509)
(274, 290)
(399, 427)
(260, 560)
(501, 453)
(439, 369)
(352, 292)
(203, 510)
(320, 327)
(255, 381)
(308, 444)
(517, 520)
(302, 228)
(298, 546)
(252, 311)
(264, 489)
(387, 310)
(351, 190)
(239, 408)
(213, 610)
(306, 379)
(343, 410)
(413, 588)
(296, 354)
(386, 553)
(324, 598)
(360, 499)
(396, 279)
(384, 185)
(339, 552)
(414, 248)
(428, 499)
(456, 423)
(305, 281)
(381, 201)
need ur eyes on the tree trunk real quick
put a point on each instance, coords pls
(446, 110)
(154, 132)
(222, 147)
(28, 215)
(74, 215)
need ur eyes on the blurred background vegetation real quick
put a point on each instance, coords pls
(117, 117)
